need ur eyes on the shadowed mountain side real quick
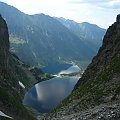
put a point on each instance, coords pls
(12, 78)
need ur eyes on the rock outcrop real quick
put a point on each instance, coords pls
(97, 94)
(4, 44)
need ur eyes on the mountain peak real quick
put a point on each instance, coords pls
(118, 18)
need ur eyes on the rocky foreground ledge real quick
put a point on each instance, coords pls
(101, 112)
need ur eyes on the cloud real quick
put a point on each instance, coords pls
(87, 1)
(113, 4)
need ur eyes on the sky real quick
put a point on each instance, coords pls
(100, 12)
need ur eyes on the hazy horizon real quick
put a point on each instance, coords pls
(101, 12)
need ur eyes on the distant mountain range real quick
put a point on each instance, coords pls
(41, 40)
(90, 33)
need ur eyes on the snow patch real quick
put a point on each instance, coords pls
(21, 84)
(4, 115)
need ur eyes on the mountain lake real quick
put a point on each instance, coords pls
(46, 95)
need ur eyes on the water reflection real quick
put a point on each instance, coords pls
(71, 69)
(46, 95)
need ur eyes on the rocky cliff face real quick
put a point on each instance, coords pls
(109, 51)
(12, 73)
(4, 44)
(97, 94)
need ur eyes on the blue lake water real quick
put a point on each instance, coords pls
(71, 69)
(56, 68)
(46, 95)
